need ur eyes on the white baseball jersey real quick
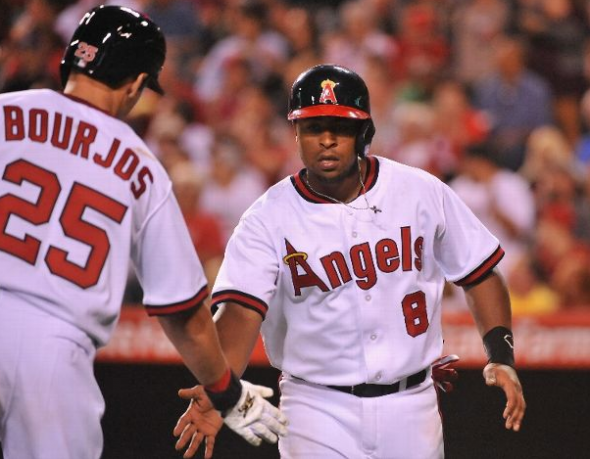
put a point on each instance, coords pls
(349, 295)
(80, 194)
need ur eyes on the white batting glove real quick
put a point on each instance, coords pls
(254, 418)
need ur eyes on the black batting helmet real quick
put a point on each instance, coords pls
(113, 43)
(332, 90)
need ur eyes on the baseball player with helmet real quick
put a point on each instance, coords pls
(342, 267)
(80, 195)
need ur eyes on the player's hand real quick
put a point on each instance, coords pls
(254, 418)
(443, 373)
(505, 377)
(201, 421)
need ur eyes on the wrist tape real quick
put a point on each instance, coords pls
(499, 346)
(226, 392)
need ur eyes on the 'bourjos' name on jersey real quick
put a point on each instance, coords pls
(364, 259)
(40, 125)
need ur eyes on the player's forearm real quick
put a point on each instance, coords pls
(195, 338)
(489, 304)
(238, 330)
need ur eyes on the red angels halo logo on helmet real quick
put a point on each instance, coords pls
(328, 94)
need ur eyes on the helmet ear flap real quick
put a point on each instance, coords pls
(364, 137)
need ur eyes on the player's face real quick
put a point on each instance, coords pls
(327, 147)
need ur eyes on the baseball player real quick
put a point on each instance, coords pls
(81, 194)
(341, 267)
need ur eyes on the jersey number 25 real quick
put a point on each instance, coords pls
(71, 221)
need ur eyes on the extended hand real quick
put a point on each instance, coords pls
(253, 418)
(199, 422)
(505, 377)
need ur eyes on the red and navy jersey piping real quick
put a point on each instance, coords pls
(241, 298)
(181, 306)
(309, 195)
(483, 270)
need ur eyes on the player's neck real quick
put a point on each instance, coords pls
(344, 190)
(95, 93)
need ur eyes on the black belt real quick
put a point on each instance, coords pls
(378, 390)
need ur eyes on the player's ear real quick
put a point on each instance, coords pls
(137, 85)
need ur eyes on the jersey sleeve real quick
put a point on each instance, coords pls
(464, 248)
(166, 263)
(249, 270)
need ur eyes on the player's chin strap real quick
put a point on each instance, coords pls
(374, 208)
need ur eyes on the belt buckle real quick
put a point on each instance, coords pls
(402, 385)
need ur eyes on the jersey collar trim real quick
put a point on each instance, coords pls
(309, 195)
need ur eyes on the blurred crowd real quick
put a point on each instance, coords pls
(491, 96)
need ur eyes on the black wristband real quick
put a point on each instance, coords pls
(499, 346)
(226, 399)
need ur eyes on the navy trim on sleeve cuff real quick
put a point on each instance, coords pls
(164, 310)
(483, 270)
(241, 298)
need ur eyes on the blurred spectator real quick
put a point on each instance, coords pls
(68, 19)
(571, 280)
(179, 20)
(222, 109)
(500, 198)
(10, 10)
(562, 238)
(546, 147)
(415, 144)
(564, 262)
(582, 150)
(174, 128)
(387, 13)
(300, 30)
(214, 22)
(170, 153)
(358, 38)
(32, 51)
(205, 228)
(475, 24)
(232, 186)
(378, 77)
(561, 198)
(457, 123)
(423, 52)
(442, 73)
(265, 50)
(557, 38)
(261, 133)
(515, 99)
(528, 294)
